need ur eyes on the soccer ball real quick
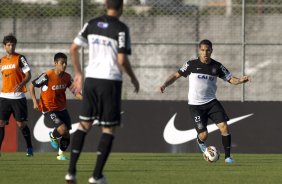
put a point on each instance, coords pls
(211, 154)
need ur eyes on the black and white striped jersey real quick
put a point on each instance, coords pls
(202, 79)
(106, 36)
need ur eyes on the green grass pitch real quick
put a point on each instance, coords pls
(144, 168)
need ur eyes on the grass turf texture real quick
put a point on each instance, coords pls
(144, 168)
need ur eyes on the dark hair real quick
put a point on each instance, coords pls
(205, 42)
(114, 4)
(10, 38)
(60, 55)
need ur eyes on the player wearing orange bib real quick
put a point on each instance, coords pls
(15, 75)
(52, 103)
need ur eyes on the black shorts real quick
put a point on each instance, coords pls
(17, 107)
(101, 102)
(201, 113)
(58, 118)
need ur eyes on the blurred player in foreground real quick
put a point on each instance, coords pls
(52, 104)
(203, 72)
(109, 44)
(15, 75)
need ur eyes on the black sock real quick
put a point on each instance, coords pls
(56, 134)
(2, 135)
(104, 149)
(226, 142)
(64, 143)
(27, 137)
(76, 147)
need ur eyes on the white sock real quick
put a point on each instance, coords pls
(60, 152)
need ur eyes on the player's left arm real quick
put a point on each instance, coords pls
(227, 76)
(39, 82)
(26, 70)
(240, 80)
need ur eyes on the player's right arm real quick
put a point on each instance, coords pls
(33, 96)
(78, 78)
(40, 81)
(171, 79)
(183, 71)
(81, 40)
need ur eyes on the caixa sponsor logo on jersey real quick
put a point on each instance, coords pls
(100, 41)
(206, 77)
(58, 87)
(7, 67)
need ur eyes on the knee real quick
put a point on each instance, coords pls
(203, 136)
(85, 126)
(63, 130)
(223, 127)
(21, 125)
(2, 123)
(108, 130)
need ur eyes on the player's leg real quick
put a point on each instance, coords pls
(109, 119)
(226, 141)
(199, 118)
(5, 113)
(103, 152)
(2, 132)
(27, 136)
(19, 107)
(76, 148)
(52, 118)
(201, 138)
(63, 129)
(219, 116)
(87, 115)
(59, 137)
(64, 142)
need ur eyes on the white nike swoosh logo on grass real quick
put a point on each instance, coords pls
(173, 136)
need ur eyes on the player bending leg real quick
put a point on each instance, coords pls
(203, 72)
(52, 104)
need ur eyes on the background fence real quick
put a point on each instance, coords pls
(246, 36)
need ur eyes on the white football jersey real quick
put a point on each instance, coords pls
(202, 79)
(106, 37)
